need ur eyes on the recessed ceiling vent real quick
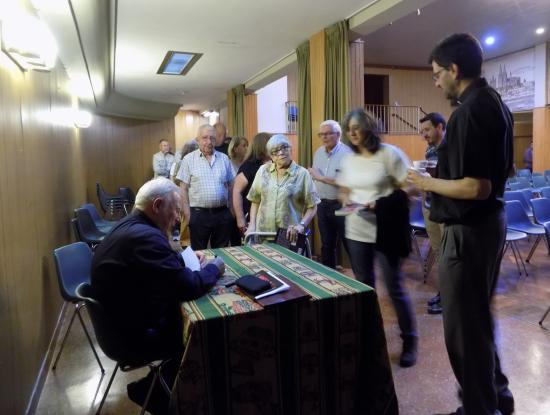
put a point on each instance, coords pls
(178, 63)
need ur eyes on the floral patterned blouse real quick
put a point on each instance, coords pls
(284, 202)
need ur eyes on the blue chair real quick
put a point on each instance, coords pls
(512, 238)
(541, 213)
(87, 229)
(524, 173)
(101, 224)
(545, 192)
(520, 185)
(522, 197)
(536, 173)
(539, 182)
(117, 347)
(547, 175)
(418, 228)
(518, 220)
(73, 264)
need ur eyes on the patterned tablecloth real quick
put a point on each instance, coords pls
(326, 355)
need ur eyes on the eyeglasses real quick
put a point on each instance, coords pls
(437, 74)
(284, 148)
(321, 135)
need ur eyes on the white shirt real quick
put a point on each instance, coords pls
(370, 178)
(329, 164)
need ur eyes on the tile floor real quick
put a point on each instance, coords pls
(429, 387)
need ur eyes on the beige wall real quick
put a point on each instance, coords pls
(186, 125)
(414, 87)
(541, 139)
(41, 182)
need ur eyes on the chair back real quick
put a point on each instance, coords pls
(539, 181)
(524, 173)
(73, 265)
(520, 185)
(547, 174)
(127, 194)
(107, 333)
(102, 198)
(90, 207)
(541, 210)
(301, 246)
(515, 214)
(416, 218)
(545, 192)
(521, 197)
(87, 229)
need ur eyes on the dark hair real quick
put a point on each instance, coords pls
(463, 50)
(368, 126)
(257, 149)
(435, 118)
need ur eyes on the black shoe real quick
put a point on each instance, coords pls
(158, 401)
(435, 308)
(505, 402)
(410, 352)
(434, 300)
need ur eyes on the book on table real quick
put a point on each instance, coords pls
(277, 285)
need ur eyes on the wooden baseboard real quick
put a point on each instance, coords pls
(44, 367)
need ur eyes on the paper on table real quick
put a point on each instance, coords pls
(191, 260)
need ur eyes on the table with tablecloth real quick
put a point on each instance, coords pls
(323, 355)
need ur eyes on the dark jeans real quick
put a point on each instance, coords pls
(235, 238)
(362, 263)
(332, 229)
(468, 267)
(212, 225)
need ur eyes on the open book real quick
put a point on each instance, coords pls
(277, 284)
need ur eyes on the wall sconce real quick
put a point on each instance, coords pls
(28, 41)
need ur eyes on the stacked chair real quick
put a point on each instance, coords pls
(112, 205)
(86, 229)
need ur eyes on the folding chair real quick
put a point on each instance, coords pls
(512, 238)
(520, 197)
(518, 220)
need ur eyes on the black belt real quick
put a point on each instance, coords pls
(209, 210)
(330, 200)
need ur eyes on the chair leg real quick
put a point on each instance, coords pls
(88, 336)
(532, 251)
(64, 338)
(516, 247)
(155, 371)
(107, 390)
(543, 317)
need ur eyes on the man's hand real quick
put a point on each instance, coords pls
(201, 257)
(417, 179)
(218, 262)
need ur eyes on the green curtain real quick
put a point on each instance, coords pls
(337, 71)
(304, 106)
(238, 110)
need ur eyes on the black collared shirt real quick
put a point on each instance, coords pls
(141, 280)
(478, 143)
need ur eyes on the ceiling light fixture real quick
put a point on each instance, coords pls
(490, 40)
(178, 63)
(540, 30)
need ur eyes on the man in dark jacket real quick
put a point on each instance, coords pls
(141, 281)
(473, 165)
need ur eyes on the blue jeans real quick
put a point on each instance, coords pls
(362, 262)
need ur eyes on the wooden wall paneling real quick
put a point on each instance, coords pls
(357, 71)
(39, 191)
(541, 139)
(292, 84)
(250, 116)
(413, 145)
(230, 112)
(186, 125)
(318, 79)
(523, 135)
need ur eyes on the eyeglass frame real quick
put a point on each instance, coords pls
(437, 75)
(321, 135)
(276, 151)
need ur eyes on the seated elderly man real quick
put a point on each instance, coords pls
(141, 281)
(283, 194)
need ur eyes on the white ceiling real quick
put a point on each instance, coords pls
(409, 40)
(238, 39)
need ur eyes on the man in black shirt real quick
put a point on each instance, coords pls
(141, 281)
(473, 164)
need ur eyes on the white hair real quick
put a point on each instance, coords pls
(276, 141)
(335, 125)
(153, 189)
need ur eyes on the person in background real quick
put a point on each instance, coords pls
(163, 160)
(528, 157)
(432, 128)
(282, 194)
(141, 281)
(474, 163)
(371, 179)
(222, 140)
(237, 150)
(327, 163)
(206, 180)
(257, 155)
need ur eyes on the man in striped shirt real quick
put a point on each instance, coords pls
(206, 181)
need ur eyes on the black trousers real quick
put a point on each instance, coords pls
(210, 225)
(468, 271)
(332, 230)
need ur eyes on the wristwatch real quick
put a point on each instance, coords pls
(303, 224)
